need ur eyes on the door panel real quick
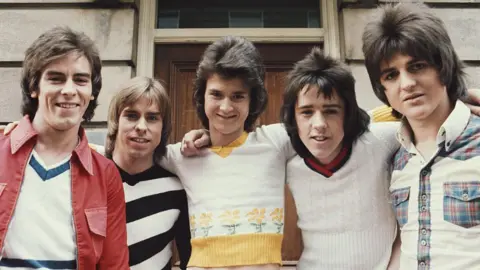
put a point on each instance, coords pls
(175, 64)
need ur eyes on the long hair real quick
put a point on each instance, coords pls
(412, 29)
(129, 93)
(232, 57)
(329, 75)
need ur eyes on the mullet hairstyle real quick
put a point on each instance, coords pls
(411, 29)
(232, 57)
(129, 93)
(50, 46)
(329, 75)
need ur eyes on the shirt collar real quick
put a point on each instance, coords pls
(450, 130)
(25, 132)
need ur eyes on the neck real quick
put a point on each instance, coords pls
(427, 129)
(130, 164)
(50, 140)
(220, 139)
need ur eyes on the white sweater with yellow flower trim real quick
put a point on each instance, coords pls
(236, 198)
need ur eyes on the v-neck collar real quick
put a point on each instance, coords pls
(329, 169)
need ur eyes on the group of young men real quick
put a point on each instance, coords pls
(401, 194)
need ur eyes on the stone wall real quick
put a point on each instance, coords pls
(461, 18)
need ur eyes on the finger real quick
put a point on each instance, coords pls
(474, 95)
(475, 109)
(202, 141)
(10, 127)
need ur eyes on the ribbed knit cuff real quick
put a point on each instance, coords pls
(236, 250)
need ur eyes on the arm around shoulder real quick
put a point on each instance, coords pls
(115, 249)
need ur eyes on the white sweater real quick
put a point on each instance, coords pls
(236, 202)
(346, 219)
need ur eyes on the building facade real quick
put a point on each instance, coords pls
(165, 39)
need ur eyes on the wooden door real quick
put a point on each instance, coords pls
(175, 65)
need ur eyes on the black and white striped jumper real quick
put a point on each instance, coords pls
(157, 214)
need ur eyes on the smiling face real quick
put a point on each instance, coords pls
(139, 129)
(320, 123)
(227, 103)
(413, 88)
(65, 90)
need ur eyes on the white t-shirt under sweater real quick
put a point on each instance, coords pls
(236, 198)
(41, 233)
(343, 208)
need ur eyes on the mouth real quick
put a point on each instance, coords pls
(67, 105)
(319, 138)
(412, 97)
(226, 117)
(139, 140)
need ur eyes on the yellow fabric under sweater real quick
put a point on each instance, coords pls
(383, 114)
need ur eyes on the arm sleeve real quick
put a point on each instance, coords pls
(386, 132)
(115, 249)
(382, 114)
(168, 161)
(182, 233)
(277, 134)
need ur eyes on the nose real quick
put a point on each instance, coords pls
(407, 82)
(318, 121)
(141, 125)
(69, 88)
(226, 106)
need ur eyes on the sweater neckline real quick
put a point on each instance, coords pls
(329, 169)
(225, 151)
(153, 172)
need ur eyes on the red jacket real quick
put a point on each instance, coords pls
(98, 200)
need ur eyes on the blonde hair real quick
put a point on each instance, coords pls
(129, 93)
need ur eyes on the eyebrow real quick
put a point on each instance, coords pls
(236, 92)
(390, 69)
(134, 111)
(326, 106)
(58, 73)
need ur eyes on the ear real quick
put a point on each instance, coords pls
(34, 94)
(92, 98)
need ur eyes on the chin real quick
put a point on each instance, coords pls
(226, 130)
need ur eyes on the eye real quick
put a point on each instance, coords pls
(153, 118)
(82, 81)
(390, 75)
(55, 80)
(330, 112)
(418, 66)
(131, 116)
(238, 96)
(306, 112)
(215, 94)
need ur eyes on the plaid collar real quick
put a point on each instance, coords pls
(450, 130)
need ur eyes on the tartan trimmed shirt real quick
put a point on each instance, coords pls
(437, 200)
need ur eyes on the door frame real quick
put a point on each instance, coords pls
(148, 35)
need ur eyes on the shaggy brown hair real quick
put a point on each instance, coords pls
(50, 46)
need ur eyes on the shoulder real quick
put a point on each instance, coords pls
(97, 148)
(103, 165)
(385, 133)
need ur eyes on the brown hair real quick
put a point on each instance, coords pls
(50, 46)
(329, 75)
(129, 93)
(411, 29)
(232, 57)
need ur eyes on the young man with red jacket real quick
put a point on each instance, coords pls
(62, 204)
